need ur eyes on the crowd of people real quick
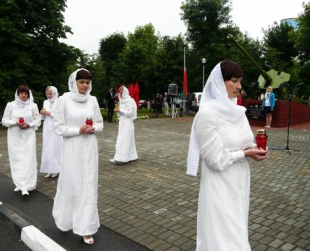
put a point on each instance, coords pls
(70, 150)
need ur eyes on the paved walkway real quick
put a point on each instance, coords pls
(153, 202)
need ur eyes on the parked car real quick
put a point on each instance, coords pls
(142, 104)
(194, 100)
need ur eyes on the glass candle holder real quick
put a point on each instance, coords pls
(261, 139)
(89, 121)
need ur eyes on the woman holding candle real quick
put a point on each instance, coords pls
(22, 119)
(75, 203)
(223, 205)
(125, 143)
(52, 143)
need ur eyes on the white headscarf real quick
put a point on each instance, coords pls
(27, 112)
(214, 98)
(127, 100)
(74, 92)
(54, 94)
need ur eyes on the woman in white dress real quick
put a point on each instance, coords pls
(125, 149)
(223, 205)
(75, 203)
(22, 119)
(52, 143)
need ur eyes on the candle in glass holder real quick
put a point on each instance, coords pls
(116, 107)
(89, 121)
(21, 120)
(261, 138)
(42, 116)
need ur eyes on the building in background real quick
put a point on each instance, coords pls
(291, 21)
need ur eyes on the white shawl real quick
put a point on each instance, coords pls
(214, 98)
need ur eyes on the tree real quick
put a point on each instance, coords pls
(280, 49)
(208, 25)
(110, 49)
(302, 39)
(30, 51)
(137, 63)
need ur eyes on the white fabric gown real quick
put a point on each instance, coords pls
(125, 148)
(75, 203)
(22, 145)
(222, 220)
(52, 143)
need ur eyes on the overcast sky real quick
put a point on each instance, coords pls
(92, 20)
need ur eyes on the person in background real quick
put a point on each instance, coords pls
(243, 94)
(160, 104)
(22, 118)
(110, 97)
(268, 104)
(78, 119)
(224, 195)
(125, 149)
(52, 143)
(156, 102)
(166, 104)
(239, 98)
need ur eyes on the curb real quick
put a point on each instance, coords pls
(30, 235)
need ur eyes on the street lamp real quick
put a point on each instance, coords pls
(203, 61)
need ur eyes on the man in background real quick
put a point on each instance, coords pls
(110, 97)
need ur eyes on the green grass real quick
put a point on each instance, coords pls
(141, 112)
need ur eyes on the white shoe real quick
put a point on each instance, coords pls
(54, 175)
(48, 175)
(112, 160)
(16, 189)
(25, 192)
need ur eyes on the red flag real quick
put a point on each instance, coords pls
(130, 90)
(185, 82)
(185, 78)
(137, 93)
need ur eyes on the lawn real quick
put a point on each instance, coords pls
(145, 113)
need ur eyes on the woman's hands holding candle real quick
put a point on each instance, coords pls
(87, 129)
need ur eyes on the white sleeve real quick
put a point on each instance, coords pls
(6, 119)
(98, 121)
(59, 122)
(212, 150)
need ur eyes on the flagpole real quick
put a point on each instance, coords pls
(184, 58)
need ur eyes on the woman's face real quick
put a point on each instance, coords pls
(23, 96)
(49, 94)
(233, 86)
(121, 90)
(268, 89)
(82, 85)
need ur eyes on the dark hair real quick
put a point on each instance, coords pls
(23, 88)
(231, 70)
(83, 74)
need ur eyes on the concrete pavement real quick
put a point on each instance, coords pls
(153, 202)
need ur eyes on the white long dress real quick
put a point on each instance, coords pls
(22, 145)
(52, 143)
(75, 203)
(125, 148)
(223, 206)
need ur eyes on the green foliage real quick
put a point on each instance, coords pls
(302, 43)
(30, 51)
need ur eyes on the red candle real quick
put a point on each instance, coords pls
(21, 120)
(261, 138)
(89, 121)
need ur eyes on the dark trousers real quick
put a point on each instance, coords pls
(110, 114)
